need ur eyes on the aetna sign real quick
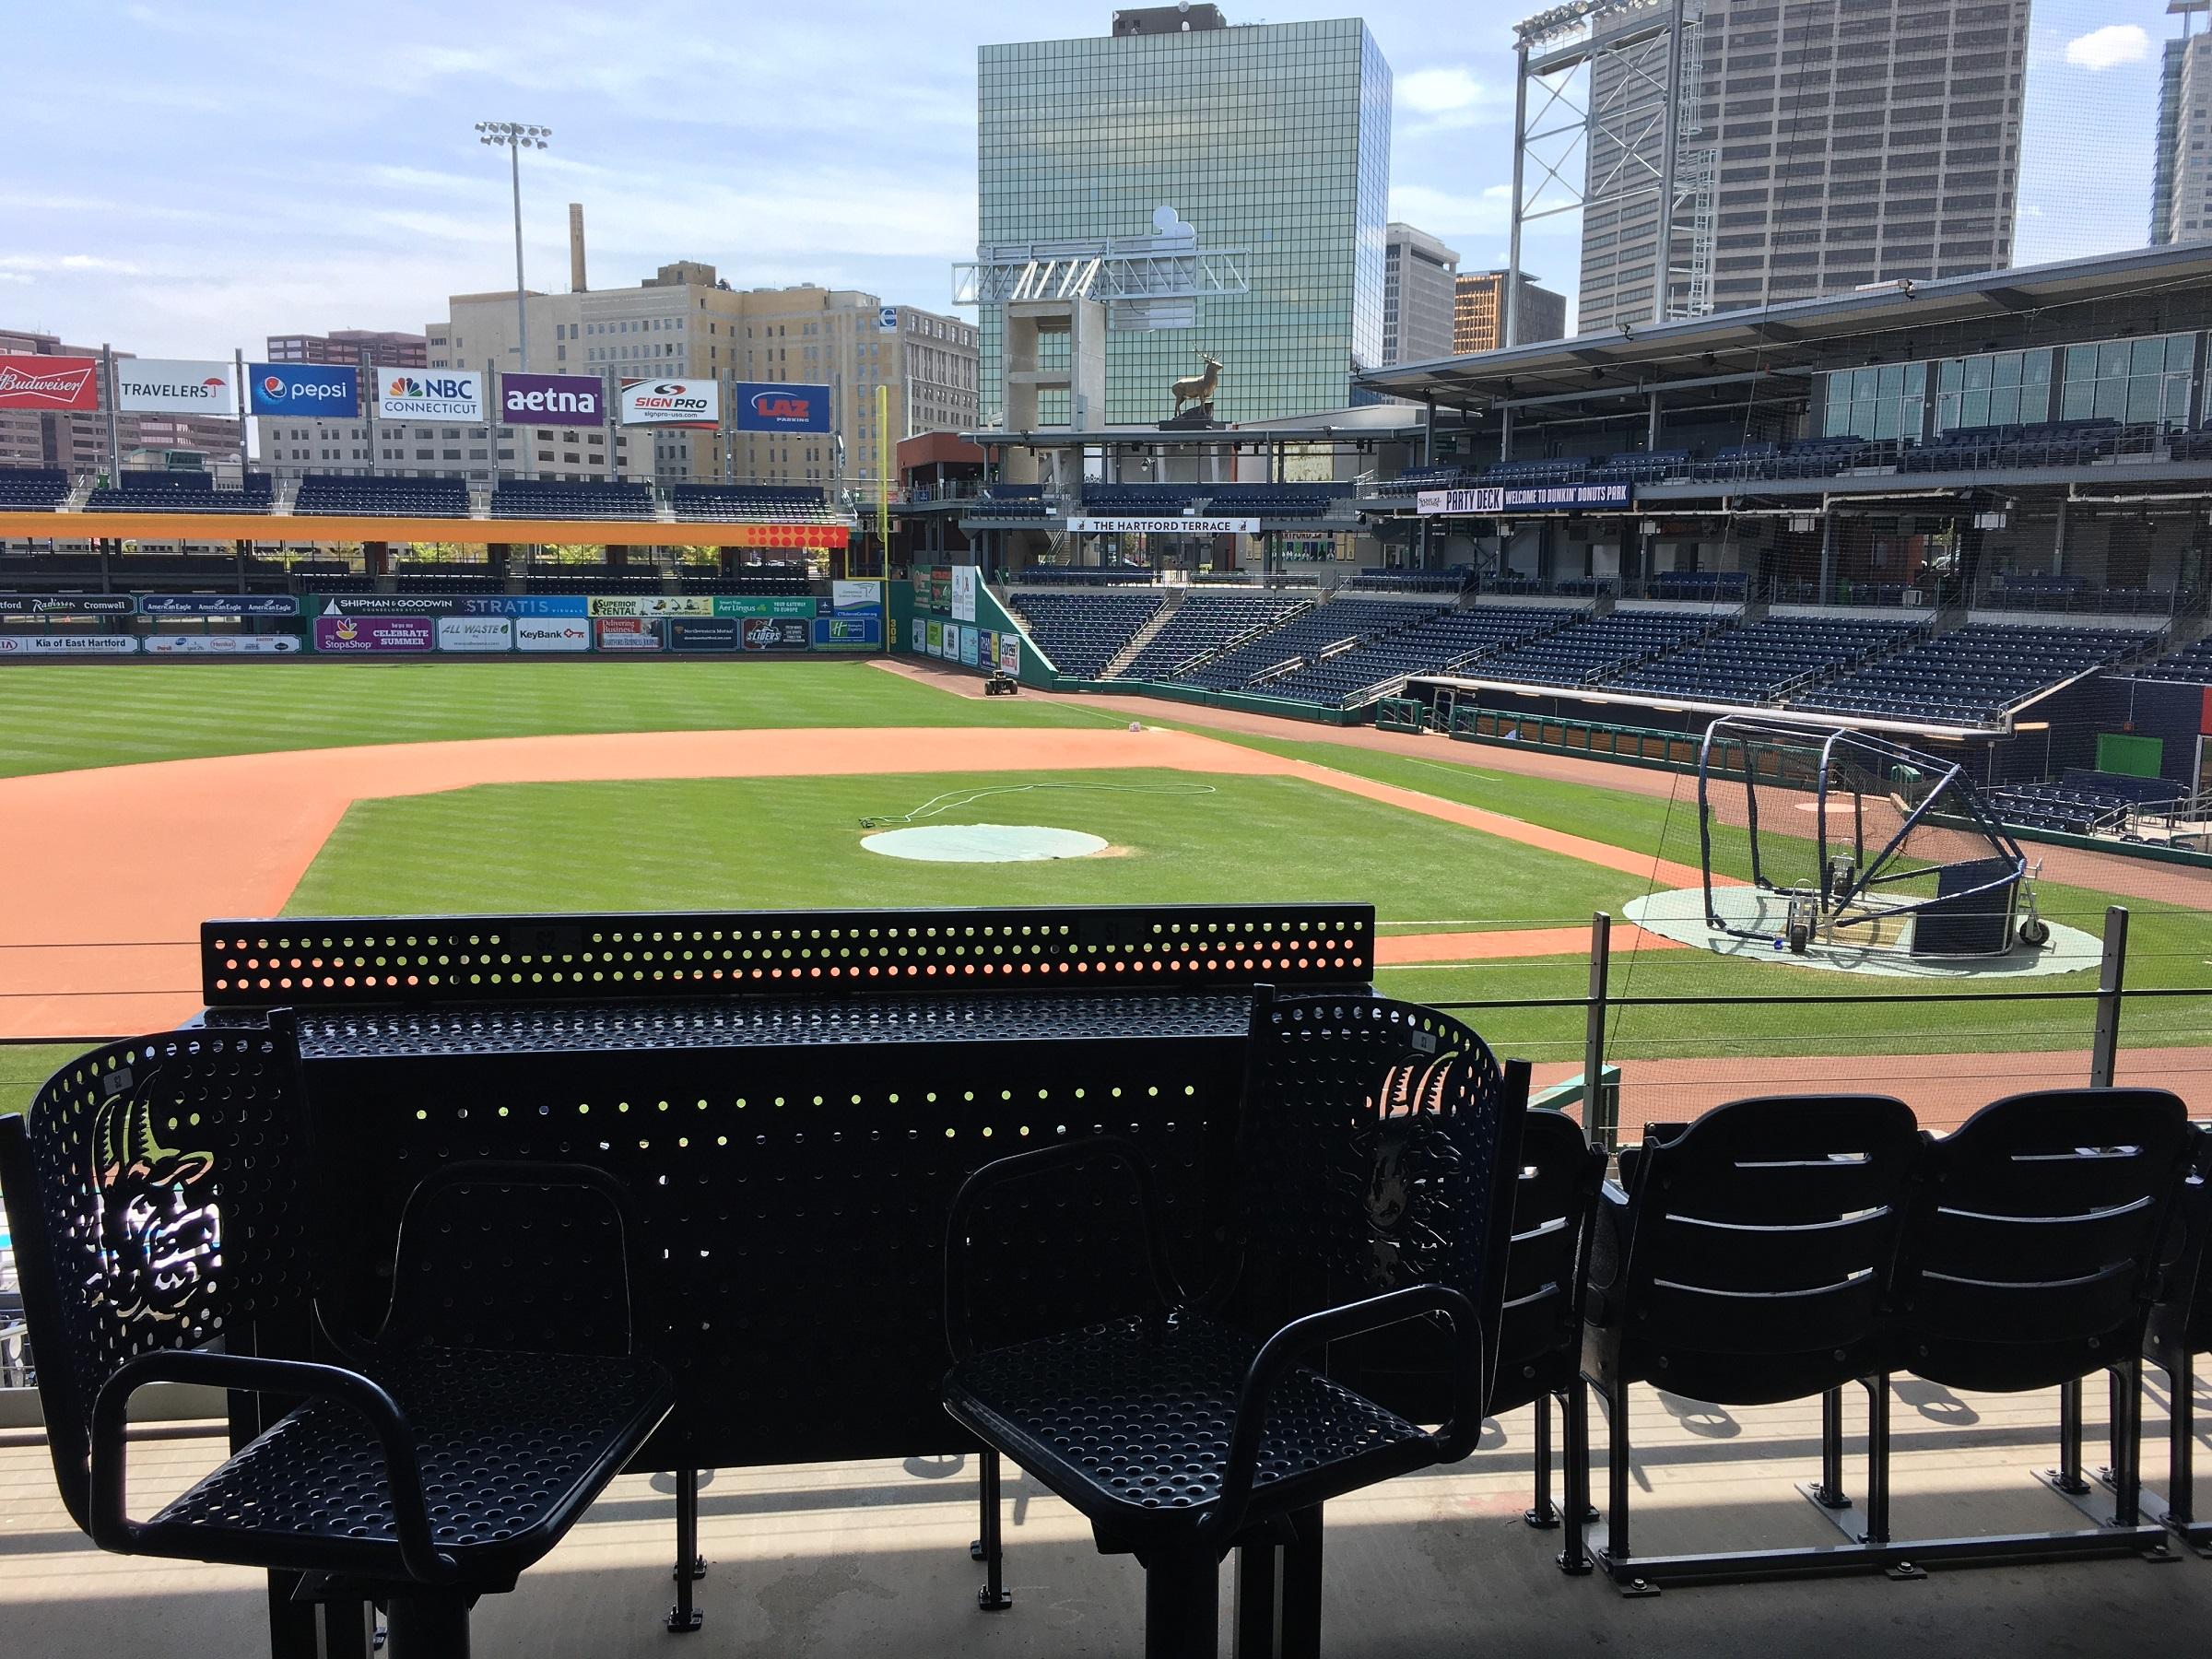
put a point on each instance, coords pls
(552, 400)
(49, 382)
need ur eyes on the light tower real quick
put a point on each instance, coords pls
(517, 136)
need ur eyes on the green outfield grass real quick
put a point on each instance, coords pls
(22, 1069)
(62, 716)
(782, 843)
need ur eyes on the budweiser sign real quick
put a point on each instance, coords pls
(69, 384)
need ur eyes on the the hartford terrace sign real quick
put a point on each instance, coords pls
(1531, 498)
(1165, 526)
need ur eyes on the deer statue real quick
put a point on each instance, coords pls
(1200, 388)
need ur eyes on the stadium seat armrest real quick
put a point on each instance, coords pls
(113, 1529)
(1453, 1439)
(1048, 1160)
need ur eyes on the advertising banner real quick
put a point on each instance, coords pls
(552, 400)
(1162, 526)
(628, 633)
(218, 605)
(692, 403)
(170, 386)
(552, 633)
(986, 649)
(781, 408)
(970, 647)
(318, 390)
(40, 644)
(940, 590)
(1533, 497)
(383, 605)
(855, 595)
(692, 633)
(740, 604)
(430, 394)
(849, 630)
(1009, 654)
(476, 633)
(963, 593)
(521, 605)
(776, 634)
(652, 604)
(378, 635)
(935, 645)
(222, 644)
(920, 576)
(47, 383)
(66, 604)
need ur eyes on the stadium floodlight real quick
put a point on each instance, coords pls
(516, 136)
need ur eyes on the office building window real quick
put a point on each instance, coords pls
(2136, 381)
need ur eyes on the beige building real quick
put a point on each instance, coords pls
(685, 321)
(1478, 312)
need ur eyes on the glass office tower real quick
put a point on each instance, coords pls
(1271, 140)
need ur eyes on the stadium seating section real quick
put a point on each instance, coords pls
(1971, 675)
(1012, 501)
(179, 492)
(1412, 582)
(2084, 803)
(1126, 500)
(1081, 632)
(1205, 624)
(1598, 648)
(1304, 638)
(571, 499)
(1434, 641)
(775, 503)
(336, 495)
(32, 488)
(1756, 663)
(2192, 666)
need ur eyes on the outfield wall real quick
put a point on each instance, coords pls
(112, 627)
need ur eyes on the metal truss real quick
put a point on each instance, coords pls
(1145, 282)
(1617, 80)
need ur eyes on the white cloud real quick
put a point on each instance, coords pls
(2108, 48)
(55, 264)
(1438, 91)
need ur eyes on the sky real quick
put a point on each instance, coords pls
(183, 179)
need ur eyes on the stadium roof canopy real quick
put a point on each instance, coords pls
(1364, 423)
(2154, 290)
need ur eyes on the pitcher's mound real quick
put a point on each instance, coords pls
(984, 843)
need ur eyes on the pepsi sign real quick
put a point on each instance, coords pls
(782, 409)
(318, 390)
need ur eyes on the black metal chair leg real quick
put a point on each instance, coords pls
(2181, 1443)
(1182, 1606)
(349, 1631)
(1301, 1587)
(2127, 1442)
(1830, 1493)
(1620, 1561)
(427, 1627)
(1878, 1460)
(1257, 1614)
(684, 1618)
(1575, 1419)
(990, 1547)
(2067, 1477)
(1541, 1513)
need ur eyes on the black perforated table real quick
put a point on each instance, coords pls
(794, 1099)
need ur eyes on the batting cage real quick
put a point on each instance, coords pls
(1848, 838)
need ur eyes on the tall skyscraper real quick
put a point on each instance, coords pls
(2181, 185)
(1831, 143)
(1417, 295)
(1271, 141)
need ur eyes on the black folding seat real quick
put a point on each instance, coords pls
(2180, 1329)
(1748, 1261)
(1375, 1176)
(161, 1212)
(2032, 1262)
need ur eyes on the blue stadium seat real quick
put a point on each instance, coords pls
(1971, 675)
(343, 496)
(571, 499)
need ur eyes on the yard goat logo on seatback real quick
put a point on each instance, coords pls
(1400, 1161)
(157, 1249)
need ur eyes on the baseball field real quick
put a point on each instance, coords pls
(136, 801)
